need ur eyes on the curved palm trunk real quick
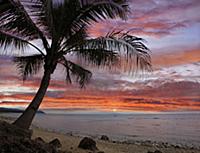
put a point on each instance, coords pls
(25, 120)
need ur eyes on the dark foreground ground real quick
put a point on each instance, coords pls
(16, 140)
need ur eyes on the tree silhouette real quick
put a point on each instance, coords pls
(61, 27)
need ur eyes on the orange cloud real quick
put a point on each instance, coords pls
(176, 58)
(109, 101)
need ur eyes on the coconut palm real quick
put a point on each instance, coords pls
(60, 29)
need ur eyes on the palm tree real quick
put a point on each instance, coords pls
(61, 27)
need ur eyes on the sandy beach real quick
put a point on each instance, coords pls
(70, 143)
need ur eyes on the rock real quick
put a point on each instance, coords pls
(39, 140)
(23, 145)
(20, 142)
(157, 151)
(67, 152)
(105, 138)
(147, 143)
(60, 151)
(177, 146)
(10, 129)
(70, 133)
(56, 143)
(88, 143)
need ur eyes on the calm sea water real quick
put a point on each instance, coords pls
(171, 128)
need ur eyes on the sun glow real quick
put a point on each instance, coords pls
(114, 110)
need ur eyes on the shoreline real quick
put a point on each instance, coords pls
(111, 146)
(121, 141)
(70, 142)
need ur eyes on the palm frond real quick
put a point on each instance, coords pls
(137, 54)
(93, 11)
(7, 39)
(68, 17)
(97, 57)
(41, 11)
(74, 39)
(29, 65)
(4, 6)
(15, 19)
(128, 50)
(81, 75)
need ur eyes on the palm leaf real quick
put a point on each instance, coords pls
(131, 50)
(97, 57)
(7, 39)
(15, 19)
(29, 65)
(64, 19)
(117, 49)
(93, 10)
(90, 11)
(81, 75)
(41, 11)
(74, 39)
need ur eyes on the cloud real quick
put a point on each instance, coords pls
(154, 18)
(173, 57)
(114, 91)
(184, 97)
(181, 90)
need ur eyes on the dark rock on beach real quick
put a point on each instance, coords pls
(14, 131)
(56, 143)
(104, 137)
(16, 140)
(39, 140)
(157, 151)
(88, 143)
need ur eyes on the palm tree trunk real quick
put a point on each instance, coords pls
(25, 120)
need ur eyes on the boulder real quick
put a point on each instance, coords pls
(23, 145)
(157, 151)
(39, 140)
(13, 130)
(88, 143)
(104, 137)
(56, 143)
(16, 140)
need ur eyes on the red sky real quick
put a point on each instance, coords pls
(171, 29)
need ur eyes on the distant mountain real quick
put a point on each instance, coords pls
(14, 110)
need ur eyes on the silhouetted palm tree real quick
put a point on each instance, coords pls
(61, 26)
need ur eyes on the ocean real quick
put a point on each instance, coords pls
(174, 128)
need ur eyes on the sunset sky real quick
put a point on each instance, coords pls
(172, 31)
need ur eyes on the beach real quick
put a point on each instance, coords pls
(71, 141)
